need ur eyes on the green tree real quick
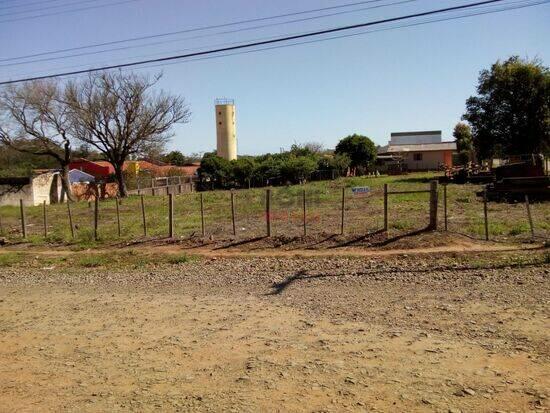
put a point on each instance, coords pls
(243, 170)
(360, 150)
(511, 113)
(175, 158)
(298, 169)
(215, 169)
(464, 142)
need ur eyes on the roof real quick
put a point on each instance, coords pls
(155, 169)
(76, 175)
(419, 147)
(429, 132)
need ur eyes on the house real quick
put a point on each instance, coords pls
(420, 151)
(33, 190)
(103, 170)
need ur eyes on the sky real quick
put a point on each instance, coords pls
(405, 79)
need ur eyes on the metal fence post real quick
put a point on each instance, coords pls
(268, 211)
(45, 219)
(170, 215)
(485, 215)
(445, 205)
(304, 208)
(70, 218)
(1, 226)
(233, 213)
(143, 217)
(203, 231)
(386, 207)
(343, 211)
(118, 216)
(530, 217)
(96, 217)
(23, 219)
(433, 205)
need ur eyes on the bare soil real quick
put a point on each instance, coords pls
(415, 332)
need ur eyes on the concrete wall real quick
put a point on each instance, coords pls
(226, 134)
(43, 187)
(430, 160)
(11, 194)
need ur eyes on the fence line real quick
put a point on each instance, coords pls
(286, 211)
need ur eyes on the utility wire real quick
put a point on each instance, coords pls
(509, 6)
(235, 23)
(67, 11)
(47, 59)
(14, 6)
(261, 43)
(75, 3)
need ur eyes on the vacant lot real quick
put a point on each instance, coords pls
(363, 214)
(447, 333)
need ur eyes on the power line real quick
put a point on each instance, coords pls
(14, 6)
(133, 39)
(261, 43)
(47, 59)
(509, 6)
(68, 11)
(75, 3)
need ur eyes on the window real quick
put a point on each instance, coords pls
(417, 156)
(219, 123)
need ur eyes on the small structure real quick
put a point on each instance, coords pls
(226, 135)
(76, 175)
(420, 151)
(33, 190)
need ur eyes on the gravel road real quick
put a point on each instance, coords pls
(408, 333)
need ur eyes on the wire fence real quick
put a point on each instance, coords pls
(291, 212)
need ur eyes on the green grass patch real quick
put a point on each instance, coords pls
(9, 259)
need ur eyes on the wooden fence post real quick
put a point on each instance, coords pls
(203, 231)
(23, 219)
(485, 215)
(1, 226)
(386, 207)
(268, 211)
(445, 205)
(45, 219)
(304, 214)
(171, 215)
(343, 209)
(117, 200)
(96, 217)
(530, 217)
(233, 212)
(70, 218)
(433, 205)
(144, 220)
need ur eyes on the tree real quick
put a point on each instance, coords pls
(175, 158)
(360, 150)
(121, 116)
(298, 169)
(35, 120)
(214, 169)
(511, 113)
(243, 170)
(464, 143)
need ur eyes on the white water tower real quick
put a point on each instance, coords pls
(226, 131)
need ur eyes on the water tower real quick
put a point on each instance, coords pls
(226, 135)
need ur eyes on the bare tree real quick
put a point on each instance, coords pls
(121, 116)
(34, 120)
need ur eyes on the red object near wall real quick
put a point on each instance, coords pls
(448, 159)
(99, 170)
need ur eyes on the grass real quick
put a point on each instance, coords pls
(407, 212)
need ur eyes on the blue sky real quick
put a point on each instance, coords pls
(414, 78)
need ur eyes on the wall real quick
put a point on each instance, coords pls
(430, 160)
(403, 138)
(226, 135)
(88, 192)
(10, 194)
(47, 187)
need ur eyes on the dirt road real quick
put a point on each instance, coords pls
(277, 334)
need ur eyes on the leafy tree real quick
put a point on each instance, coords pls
(298, 169)
(243, 170)
(360, 150)
(175, 158)
(511, 113)
(214, 169)
(121, 116)
(35, 120)
(340, 163)
(464, 142)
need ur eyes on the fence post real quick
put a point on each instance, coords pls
(485, 214)
(1, 226)
(171, 215)
(304, 208)
(386, 207)
(433, 205)
(45, 217)
(23, 220)
(70, 218)
(118, 216)
(445, 204)
(343, 209)
(143, 217)
(268, 211)
(96, 217)
(530, 217)
(202, 215)
(233, 212)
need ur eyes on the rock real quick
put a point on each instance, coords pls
(469, 392)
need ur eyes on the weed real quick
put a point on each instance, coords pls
(10, 258)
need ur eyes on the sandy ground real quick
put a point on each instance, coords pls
(276, 334)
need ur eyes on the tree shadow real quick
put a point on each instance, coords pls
(280, 287)
(401, 236)
(358, 239)
(239, 243)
